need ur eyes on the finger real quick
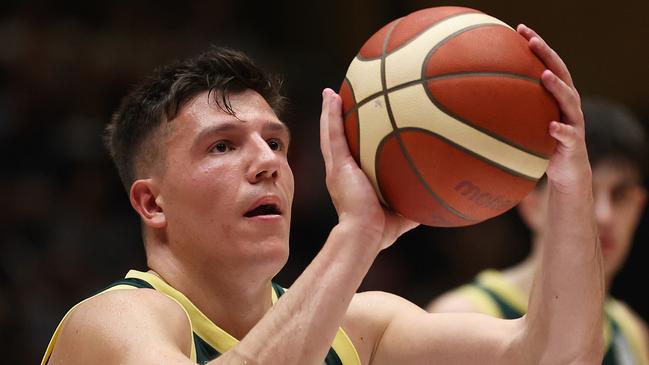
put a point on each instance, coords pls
(565, 134)
(568, 98)
(526, 31)
(337, 140)
(325, 146)
(546, 54)
(552, 60)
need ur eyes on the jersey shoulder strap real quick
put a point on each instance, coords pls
(629, 326)
(492, 293)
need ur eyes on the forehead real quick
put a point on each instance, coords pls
(208, 109)
(613, 172)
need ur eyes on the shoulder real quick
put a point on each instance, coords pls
(119, 325)
(129, 304)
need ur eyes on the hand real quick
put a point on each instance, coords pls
(568, 170)
(351, 192)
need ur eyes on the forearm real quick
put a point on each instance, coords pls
(564, 321)
(300, 327)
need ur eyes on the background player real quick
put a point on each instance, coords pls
(618, 151)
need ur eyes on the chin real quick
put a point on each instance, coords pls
(611, 266)
(271, 262)
(271, 250)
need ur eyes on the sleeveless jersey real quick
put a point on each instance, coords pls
(623, 336)
(209, 340)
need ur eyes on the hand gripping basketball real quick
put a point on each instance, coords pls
(568, 170)
(351, 192)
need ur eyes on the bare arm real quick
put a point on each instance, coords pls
(563, 324)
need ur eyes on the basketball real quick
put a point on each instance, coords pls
(445, 112)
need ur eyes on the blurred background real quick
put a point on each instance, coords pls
(66, 225)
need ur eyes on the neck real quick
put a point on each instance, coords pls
(232, 300)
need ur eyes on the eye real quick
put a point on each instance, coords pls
(221, 147)
(275, 144)
(620, 194)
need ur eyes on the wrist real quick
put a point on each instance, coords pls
(578, 184)
(359, 234)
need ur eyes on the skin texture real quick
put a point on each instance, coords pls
(199, 241)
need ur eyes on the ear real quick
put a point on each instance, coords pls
(532, 209)
(144, 199)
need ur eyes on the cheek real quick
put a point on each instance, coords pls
(215, 190)
(624, 227)
(627, 217)
(203, 193)
(291, 183)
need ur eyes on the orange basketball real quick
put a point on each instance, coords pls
(445, 112)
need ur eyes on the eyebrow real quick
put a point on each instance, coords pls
(274, 126)
(269, 126)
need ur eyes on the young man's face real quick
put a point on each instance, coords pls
(619, 199)
(227, 188)
(619, 203)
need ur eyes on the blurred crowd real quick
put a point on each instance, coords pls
(67, 228)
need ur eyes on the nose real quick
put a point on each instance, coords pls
(603, 209)
(264, 162)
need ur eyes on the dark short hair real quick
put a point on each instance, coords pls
(613, 133)
(219, 71)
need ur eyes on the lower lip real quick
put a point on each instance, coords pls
(265, 218)
(607, 247)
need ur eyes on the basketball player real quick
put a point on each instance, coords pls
(617, 151)
(203, 155)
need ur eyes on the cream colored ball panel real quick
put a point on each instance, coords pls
(405, 64)
(365, 78)
(411, 107)
(374, 125)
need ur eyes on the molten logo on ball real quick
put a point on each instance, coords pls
(442, 103)
(473, 193)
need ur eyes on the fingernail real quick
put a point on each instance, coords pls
(547, 74)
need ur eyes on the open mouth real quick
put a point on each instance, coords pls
(606, 244)
(264, 209)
